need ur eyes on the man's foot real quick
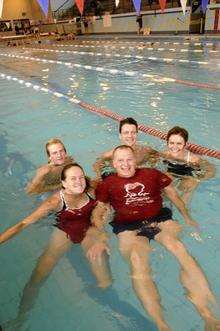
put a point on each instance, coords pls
(162, 326)
(212, 324)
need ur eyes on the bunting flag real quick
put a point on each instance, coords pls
(183, 5)
(44, 6)
(116, 3)
(162, 4)
(1, 7)
(137, 6)
(204, 5)
(80, 5)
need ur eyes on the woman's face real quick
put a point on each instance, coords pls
(75, 182)
(57, 154)
(176, 143)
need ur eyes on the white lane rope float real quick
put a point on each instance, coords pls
(177, 43)
(127, 56)
(139, 48)
(152, 77)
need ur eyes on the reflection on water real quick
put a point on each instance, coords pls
(13, 164)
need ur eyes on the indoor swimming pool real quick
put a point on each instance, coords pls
(45, 92)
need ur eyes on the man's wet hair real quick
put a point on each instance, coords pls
(122, 147)
(177, 130)
(128, 120)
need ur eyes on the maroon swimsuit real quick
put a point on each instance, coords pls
(75, 222)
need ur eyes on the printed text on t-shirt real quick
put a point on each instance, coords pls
(135, 193)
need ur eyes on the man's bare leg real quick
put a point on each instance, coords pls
(136, 250)
(191, 275)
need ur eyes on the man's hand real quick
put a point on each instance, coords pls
(99, 215)
(95, 252)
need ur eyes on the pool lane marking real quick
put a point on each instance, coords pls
(39, 88)
(202, 150)
(148, 42)
(160, 49)
(154, 78)
(143, 43)
(152, 58)
(127, 56)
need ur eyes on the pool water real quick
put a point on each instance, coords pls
(69, 300)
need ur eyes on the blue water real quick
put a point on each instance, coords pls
(69, 299)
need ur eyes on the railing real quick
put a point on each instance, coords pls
(64, 10)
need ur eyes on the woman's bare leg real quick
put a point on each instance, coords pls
(57, 246)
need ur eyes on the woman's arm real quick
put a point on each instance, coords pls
(37, 182)
(180, 205)
(51, 204)
(209, 169)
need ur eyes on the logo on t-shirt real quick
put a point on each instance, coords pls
(135, 193)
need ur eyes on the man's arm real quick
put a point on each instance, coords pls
(174, 197)
(100, 163)
(99, 215)
(97, 231)
(48, 205)
(150, 156)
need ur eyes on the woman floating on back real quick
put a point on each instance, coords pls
(73, 206)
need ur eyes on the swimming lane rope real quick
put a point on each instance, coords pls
(153, 77)
(198, 149)
(195, 148)
(139, 48)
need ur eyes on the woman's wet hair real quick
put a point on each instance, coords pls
(177, 130)
(52, 142)
(128, 120)
(71, 165)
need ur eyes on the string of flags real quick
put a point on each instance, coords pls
(137, 5)
(46, 6)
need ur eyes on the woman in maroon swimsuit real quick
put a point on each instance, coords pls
(73, 205)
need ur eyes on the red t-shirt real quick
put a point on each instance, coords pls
(135, 198)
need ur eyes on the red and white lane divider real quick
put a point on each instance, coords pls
(198, 149)
(155, 78)
(127, 56)
(139, 48)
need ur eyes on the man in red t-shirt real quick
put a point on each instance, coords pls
(135, 196)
